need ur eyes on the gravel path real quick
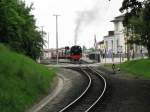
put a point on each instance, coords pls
(74, 84)
(126, 93)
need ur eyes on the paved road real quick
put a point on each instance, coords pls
(127, 94)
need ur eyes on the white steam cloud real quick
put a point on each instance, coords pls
(88, 17)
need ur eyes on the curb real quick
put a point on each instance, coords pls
(53, 94)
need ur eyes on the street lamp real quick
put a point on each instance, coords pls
(120, 51)
(56, 35)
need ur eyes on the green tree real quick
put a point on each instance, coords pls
(18, 29)
(145, 26)
(132, 8)
(137, 22)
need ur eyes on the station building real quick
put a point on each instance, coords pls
(116, 41)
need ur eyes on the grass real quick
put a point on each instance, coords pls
(108, 65)
(22, 81)
(137, 67)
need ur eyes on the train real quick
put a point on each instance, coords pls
(74, 53)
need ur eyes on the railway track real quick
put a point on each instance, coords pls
(92, 94)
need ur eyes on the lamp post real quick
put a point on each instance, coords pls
(105, 55)
(42, 32)
(39, 60)
(56, 35)
(120, 51)
(48, 40)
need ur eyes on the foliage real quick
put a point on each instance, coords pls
(17, 28)
(137, 22)
(132, 8)
(22, 81)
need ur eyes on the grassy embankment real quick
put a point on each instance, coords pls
(139, 68)
(22, 81)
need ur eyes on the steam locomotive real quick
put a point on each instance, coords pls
(74, 53)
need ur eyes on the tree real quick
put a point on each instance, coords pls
(18, 29)
(137, 22)
(132, 8)
(145, 32)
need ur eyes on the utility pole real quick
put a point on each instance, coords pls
(112, 43)
(97, 53)
(42, 30)
(42, 46)
(56, 35)
(48, 39)
(48, 45)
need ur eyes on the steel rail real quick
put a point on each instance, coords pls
(84, 92)
(104, 90)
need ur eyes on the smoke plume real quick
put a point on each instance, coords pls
(87, 17)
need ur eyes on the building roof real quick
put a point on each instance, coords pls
(101, 42)
(118, 18)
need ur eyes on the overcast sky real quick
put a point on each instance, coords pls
(80, 18)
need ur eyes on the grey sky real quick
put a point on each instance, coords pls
(89, 16)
